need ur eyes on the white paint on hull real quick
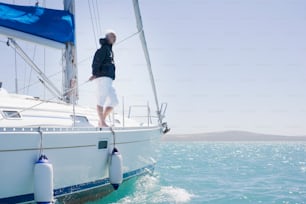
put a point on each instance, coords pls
(74, 152)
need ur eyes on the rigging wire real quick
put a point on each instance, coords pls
(147, 57)
(16, 72)
(118, 43)
(30, 76)
(92, 23)
(25, 77)
(94, 12)
(127, 38)
(94, 16)
(99, 17)
(44, 95)
(44, 3)
(43, 78)
(38, 81)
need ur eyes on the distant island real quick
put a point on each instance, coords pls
(230, 136)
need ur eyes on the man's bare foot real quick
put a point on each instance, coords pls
(104, 124)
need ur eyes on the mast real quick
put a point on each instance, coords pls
(70, 71)
(147, 56)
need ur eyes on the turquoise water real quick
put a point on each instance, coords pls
(221, 173)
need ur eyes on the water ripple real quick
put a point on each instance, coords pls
(222, 173)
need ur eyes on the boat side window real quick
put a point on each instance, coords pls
(8, 114)
(80, 119)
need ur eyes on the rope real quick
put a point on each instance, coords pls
(41, 141)
(114, 136)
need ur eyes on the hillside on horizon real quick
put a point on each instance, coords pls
(231, 136)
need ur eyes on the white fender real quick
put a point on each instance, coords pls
(115, 169)
(43, 181)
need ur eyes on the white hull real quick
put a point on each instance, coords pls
(79, 154)
(67, 134)
(79, 165)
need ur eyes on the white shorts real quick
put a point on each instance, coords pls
(106, 94)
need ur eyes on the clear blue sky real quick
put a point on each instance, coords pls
(220, 64)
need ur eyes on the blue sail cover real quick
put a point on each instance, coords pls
(55, 25)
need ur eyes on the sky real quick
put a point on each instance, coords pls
(219, 64)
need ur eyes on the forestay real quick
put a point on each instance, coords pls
(50, 27)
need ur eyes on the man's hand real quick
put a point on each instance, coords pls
(92, 78)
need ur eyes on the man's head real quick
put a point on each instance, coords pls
(111, 37)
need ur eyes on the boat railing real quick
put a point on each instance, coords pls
(146, 117)
(163, 109)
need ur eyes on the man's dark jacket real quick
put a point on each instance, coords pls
(103, 62)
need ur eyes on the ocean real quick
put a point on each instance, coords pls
(221, 173)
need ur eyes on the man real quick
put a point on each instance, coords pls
(103, 72)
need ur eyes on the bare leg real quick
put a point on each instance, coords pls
(100, 115)
(107, 111)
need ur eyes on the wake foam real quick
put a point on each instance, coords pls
(148, 190)
(174, 194)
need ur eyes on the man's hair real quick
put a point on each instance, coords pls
(110, 32)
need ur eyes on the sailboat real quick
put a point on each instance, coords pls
(52, 150)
